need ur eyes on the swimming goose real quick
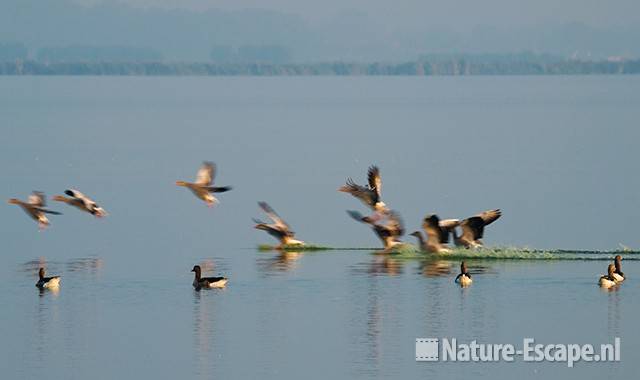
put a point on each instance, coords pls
(437, 234)
(207, 282)
(47, 282)
(617, 274)
(369, 195)
(473, 229)
(464, 278)
(608, 280)
(279, 229)
(81, 201)
(202, 187)
(389, 233)
(35, 208)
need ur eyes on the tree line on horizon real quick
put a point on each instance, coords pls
(418, 68)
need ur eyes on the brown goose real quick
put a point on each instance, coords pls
(473, 229)
(203, 188)
(81, 201)
(279, 229)
(47, 282)
(35, 208)
(200, 282)
(617, 274)
(371, 194)
(437, 232)
(389, 233)
(608, 280)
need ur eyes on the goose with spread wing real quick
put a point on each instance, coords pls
(81, 201)
(389, 232)
(371, 194)
(35, 207)
(473, 229)
(279, 229)
(437, 232)
(203, 187)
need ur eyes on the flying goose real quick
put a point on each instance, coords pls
(370, 195)
(203, 188)
(464, 278)
(81, 201)
(617, 274)
(35, 208)
(207, 282)
(279, 229)
(437, 232)
(389, 233)
(608, 280)
(473, 229)
(47, 282)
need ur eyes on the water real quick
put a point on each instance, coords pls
(557, 154)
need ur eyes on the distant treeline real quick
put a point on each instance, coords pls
(453, 67)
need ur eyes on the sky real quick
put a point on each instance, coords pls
(458, 14)
(350, 30)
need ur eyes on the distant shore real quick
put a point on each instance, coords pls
(419, 68)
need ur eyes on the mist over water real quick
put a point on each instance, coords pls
(556, 154)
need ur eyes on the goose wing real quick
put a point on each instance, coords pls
(274, 216)
(490, 216)
(88, 202)
(361, 218)
(472, 228)
(206, 173)
(375, 182)
(37, 199)
(447, 226)
(272, 229)
(364, 194)
(395, 224)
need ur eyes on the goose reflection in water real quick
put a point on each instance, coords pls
(283, 261)
(435, 268)
(203, 333)
(381, 264)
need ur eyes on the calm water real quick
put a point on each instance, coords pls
(557, 154)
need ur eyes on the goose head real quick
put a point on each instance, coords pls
(463, 267)
(41, 273)
(14, 201)
(181, 183)
(611, 270)
(59, 198)
(618, 261)
(196, 268)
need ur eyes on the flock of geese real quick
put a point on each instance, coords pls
(386, 224)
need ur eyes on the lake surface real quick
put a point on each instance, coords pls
(557, 154)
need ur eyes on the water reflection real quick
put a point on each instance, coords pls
(380, 265)
(203, 334)
(613, 312)
(89, 265)
(283, 261)
(435, 268)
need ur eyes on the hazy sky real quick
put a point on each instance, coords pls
(452, 13)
